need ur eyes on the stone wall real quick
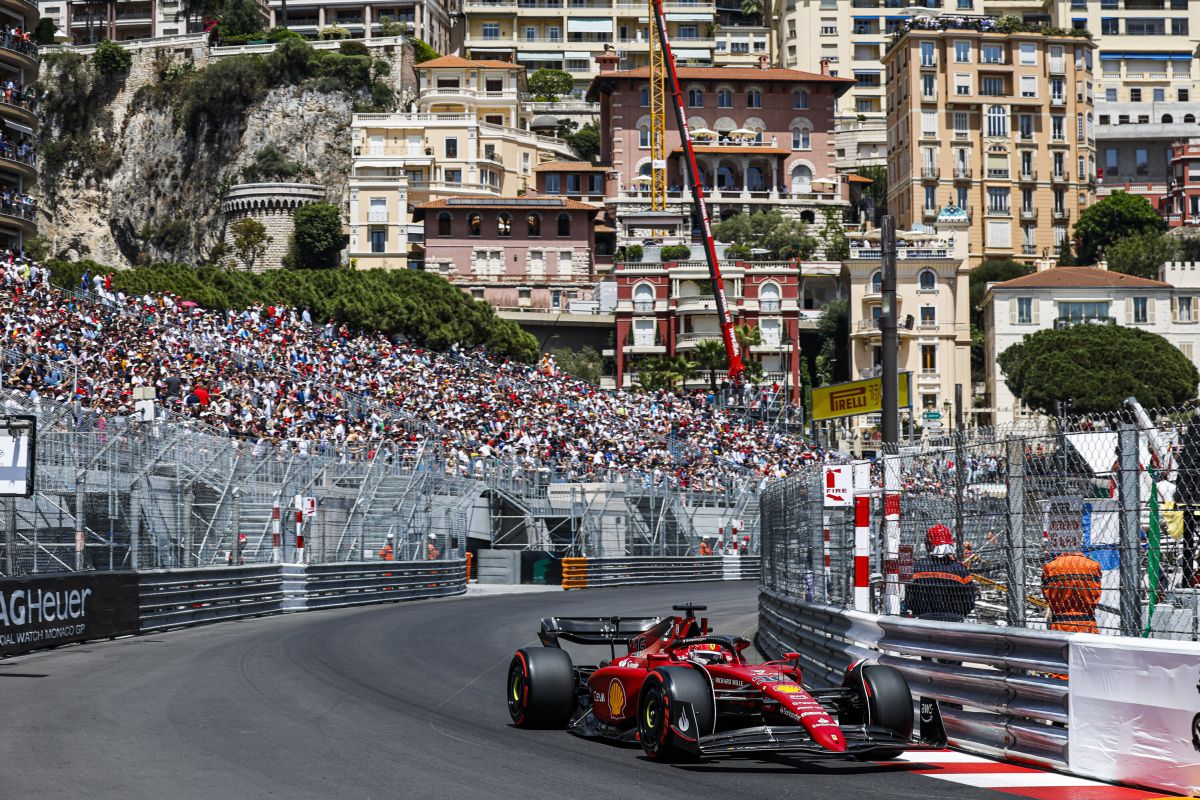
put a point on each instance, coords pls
(272, 204)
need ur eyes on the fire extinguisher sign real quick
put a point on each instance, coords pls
(839, 486)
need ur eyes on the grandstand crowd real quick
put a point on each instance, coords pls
(273, 376)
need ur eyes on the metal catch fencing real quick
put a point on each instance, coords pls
(1087, 524)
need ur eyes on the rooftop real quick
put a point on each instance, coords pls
(529, 200)
(571, 166)
(450, 62)
(1080, 278)
(841, 85)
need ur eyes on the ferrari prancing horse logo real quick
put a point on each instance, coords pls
(616, 699)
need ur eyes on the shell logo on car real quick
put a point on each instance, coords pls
(616, 699)
(788, 688)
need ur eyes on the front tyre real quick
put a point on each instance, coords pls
(540, 688)
(663, 729)
(887, 701)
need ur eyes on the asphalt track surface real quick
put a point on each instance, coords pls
(403, 700)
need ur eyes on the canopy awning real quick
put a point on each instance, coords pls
(578, 55)
(589, 25)
(16, 126)
(692, 53)
(523, 56)
(689, 17)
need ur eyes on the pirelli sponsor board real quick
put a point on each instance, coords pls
(43, 611)
(856, 397)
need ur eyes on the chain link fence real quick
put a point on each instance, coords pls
(1084, 524)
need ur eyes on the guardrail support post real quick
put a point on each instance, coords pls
(816, 558)
(10, 535)
(1131, 540)
(1014, 532)
(80, 500)
(862, 551)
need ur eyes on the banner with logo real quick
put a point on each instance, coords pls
(856, 397)
(1135, 711)
(39, 611)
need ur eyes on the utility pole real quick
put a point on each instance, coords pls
(887, 324)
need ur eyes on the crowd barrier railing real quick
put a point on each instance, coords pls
(583, 573)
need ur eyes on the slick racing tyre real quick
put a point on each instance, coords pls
(662, 727)
(541, 688)
(887, 701)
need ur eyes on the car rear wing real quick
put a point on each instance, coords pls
(594, 630)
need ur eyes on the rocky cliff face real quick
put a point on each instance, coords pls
(132, 186)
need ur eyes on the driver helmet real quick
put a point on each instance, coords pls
(939, 540)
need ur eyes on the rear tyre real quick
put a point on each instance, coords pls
(887, 699)
(660, 714)
(541, 688)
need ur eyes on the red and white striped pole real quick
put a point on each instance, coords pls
(891, 534)
(862, 551)
(825, 537)
(299, 537)
(276, 535)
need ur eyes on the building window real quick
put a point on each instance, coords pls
(1029, 53)
(998, 200)
(962, 52)
(1024, 310)
(1140, 310)
(1110, 94)
(801, 139)
(997, 121)
(929, 359)
(1110, 161)
(474, 224)
(443, 223)
(800, 99)
(553, 183)
(451, 147)
(1179, 26)
(644, 136)
(1135, 95)
(533, 225)
(1028, 86)
(1142, 160)
(927, 281)
(491, 30)
(754, 99)
(1184, 94)
(928, 316)
(1058, 128)
(876, 282)
(993, 54)
(564, 225)
(931, 198)
(927, 54)
(724, 98)
(1160, 95)
(378, 240)
(991, 86)
(1183, 309)
(595, 184)
(696, 98)
(1110, 26)
(645, 97)
(504, 224)
(1082, 311)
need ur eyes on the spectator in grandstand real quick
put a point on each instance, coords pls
(941, 588)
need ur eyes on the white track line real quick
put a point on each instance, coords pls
(1016, 780)
(943, 757)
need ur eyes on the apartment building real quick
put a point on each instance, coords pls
(84, 22)
(762, 136)
(467, 137)
(18, 115)
(570, 34)
(530, 253)
(932, 287)
(1065, 296)
(432, 21)
(1000, 125)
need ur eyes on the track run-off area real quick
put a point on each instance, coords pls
(402, 700)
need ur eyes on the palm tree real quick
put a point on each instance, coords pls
(747, 337)
(752, 8)
(681, 368)
(710, 355)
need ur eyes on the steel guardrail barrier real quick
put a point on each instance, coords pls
(582, 573)
(177, 598)
(1003, 690)
(348, 584)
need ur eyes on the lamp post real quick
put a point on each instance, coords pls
(785, 362)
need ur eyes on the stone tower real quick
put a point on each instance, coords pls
(272, 204)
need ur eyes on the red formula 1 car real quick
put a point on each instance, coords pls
(686, 693)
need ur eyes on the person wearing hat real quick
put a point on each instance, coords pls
(432, 553)
(386, 553)
(705, 547)
(941, 587)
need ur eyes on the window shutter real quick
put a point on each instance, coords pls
(1128, 310)
(1012, 311)
(1035, 305)
(1174, 311)
(1150, 304)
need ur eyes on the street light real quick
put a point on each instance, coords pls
(785, 363)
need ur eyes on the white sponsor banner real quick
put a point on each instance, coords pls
(1135, 711)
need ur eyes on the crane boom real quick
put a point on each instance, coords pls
(732, 350)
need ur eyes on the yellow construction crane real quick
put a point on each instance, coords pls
(658, 118)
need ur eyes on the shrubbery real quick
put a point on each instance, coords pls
(675, 252)
(112, 59)
(419, 306)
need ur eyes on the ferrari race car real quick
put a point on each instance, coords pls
(684, 693)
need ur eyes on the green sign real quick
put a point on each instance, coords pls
(932, 415)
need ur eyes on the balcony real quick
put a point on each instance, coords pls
(930, 173)
(769, 306)
(1028, 175)
(687, 340)
(1067, 322)
(1063, 176)
(998, 174)
(962, 172)
(704, 303)
(643, 306)
(1028, 214)
(870, 372)
(867, 325)
(1029, 249)
(1060, 214)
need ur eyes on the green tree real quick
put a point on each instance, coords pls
(388, 26)
(833, 331)
(45, 30)
(333, 32)
(422, 52)
(781, 237)
(877, 189)
(1096, 367)
(584, 363)
(250, 241)
(270, 164)
(1142, 253)
(317, 241)
(995, 270)
(37, 248)
(240, 18)
(747, 336)
(837, 247)
(111, 59)
(710, 356)
(1115, 217)
(550, 84)
(752, 8)
(585, 141)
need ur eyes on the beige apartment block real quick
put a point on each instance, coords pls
(999, 125)
(932, 287)
(467, 137)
